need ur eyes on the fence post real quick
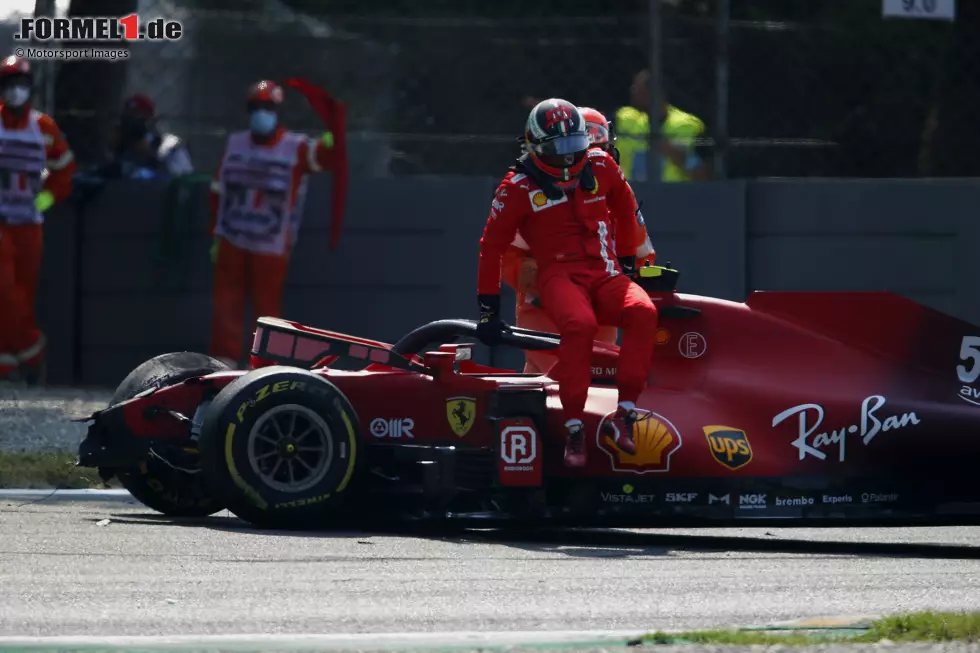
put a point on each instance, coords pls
(722, 31)
(656, 89)
(46, 70)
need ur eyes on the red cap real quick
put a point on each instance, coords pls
(13, 66)
(265, 91)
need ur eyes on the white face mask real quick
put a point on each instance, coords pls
(16, 96)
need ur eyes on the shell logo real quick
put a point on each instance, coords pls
(656, 441)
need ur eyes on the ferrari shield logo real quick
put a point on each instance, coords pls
(461, 413)
(729, 446)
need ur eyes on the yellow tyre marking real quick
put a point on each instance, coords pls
(353, 451)
(235, 476)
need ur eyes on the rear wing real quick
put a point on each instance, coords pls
(284, 342)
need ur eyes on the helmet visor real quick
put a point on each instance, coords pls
(563, 146)
(598, 134)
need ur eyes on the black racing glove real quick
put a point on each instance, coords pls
(628, 265)
(490, 327)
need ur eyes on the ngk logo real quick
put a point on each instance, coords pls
(750, 501)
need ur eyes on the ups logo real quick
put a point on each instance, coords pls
(729, 446)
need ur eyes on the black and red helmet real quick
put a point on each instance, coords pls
(14, 67)
(557, 141)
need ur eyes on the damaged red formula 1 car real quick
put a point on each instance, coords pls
(809, 407)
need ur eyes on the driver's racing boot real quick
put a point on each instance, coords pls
(619, 427)
(575, 443)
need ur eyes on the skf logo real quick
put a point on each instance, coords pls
(729, 446)
(681, 497)
(461, 411)
(540, 201)
(656, 441)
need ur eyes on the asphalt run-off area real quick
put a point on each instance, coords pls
(82, 564)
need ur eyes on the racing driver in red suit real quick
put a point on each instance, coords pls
(520, 269)
(569, 204)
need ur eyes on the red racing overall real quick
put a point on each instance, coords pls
(520, 273)
(580, 281)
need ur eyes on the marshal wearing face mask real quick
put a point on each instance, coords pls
(257, 204)
(36, 168)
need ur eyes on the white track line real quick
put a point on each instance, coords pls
(67, 495)
(359, 641)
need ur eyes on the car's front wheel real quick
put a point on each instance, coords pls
(279, 448)
(168, 481)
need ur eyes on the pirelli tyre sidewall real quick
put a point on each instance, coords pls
(236, 448)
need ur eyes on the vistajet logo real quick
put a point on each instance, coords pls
(98, 29)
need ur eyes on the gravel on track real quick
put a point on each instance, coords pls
(38, 419)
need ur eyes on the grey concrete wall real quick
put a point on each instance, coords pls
(131, 278)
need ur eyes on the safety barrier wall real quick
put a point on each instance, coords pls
(129, 277)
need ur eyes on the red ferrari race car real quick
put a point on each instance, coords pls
(809, 407)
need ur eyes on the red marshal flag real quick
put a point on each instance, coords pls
(334, 116)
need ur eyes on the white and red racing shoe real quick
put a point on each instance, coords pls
(619, 427)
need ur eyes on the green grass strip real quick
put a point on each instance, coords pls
(913, 627)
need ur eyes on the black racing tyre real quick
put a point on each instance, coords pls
(279, 447)
(151, 481)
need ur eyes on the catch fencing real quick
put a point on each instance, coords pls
(826, 88)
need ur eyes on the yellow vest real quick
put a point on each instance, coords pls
(633, 140)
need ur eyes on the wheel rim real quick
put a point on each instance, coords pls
(290, 448)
